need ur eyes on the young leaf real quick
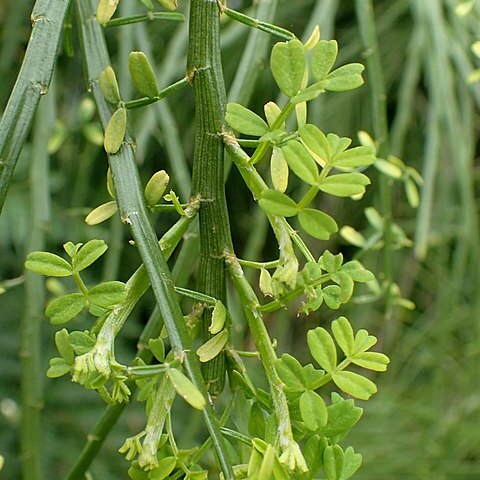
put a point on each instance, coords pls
(81, 342)
(72, 248)
(219, 315)
(101, 213)
(357, 271)
(89, 253)
(322, 348)
(256, 421)
(277, 203)
(343, 333)
(354, 384)
(313, 377)
(343, 415)
(287, 63)
(313, 39)
(333, 462)
(344, 184)
(300, 161)
(290, 372)
(345, 78)
(355, 157)
(155, 187)
(272, 111)
(49, 264)
(115, 131)
(63, 346)
(212, 347)
(279, 170)
(317, 224)
(58, 368)
(351, 463)
(265, 283)
(107, 294)
(245, 121)
(186, 389)
(142, 74)
(313, 410)
(328, 261)
(157, 347)
(105, 10)
(345, 283)
(338, 144)
(323, 58)
(364, 341)
(332, 295)
(64, 308)
(107, 81)
(316, 142)
(371, 360)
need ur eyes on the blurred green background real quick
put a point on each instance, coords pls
(424, 422)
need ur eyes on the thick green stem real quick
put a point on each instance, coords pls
(205, 70)
(32, 82)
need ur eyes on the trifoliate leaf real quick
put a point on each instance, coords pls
(277, 203)
(88, 254)
(300, 161)
(212, 347)
(101, 213)
(354, 384)
(64, 308)
(49, 264)
(344, 184)
(345, 78)
(142, 74)
(317, 224)
(322, 347)
(287, 63)
(186, 389)
(313, 410)
(245, 121)
(323, 58)
(115, 131)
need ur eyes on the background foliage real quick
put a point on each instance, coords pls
(423, 424)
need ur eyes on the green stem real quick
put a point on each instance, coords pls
(204, 67)
(32, 82)
(133, 213)
(173, 16)
(31, 386)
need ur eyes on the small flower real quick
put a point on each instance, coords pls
(132, 446)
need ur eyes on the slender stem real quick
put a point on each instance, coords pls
(32, 82)
(173, 16)
(205, 69)
(30, 348)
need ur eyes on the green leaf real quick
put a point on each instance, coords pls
(115, 131)
(343, 415)
(142, 74)
(332, 295)
(323, 58)
(89, 253)
(371, 360)
(345, 283)
(212, 347)
(309, 93)
(155, 187)
(107, 294)
(344, 184)
(157, 347)
(322, 348)
(165, 468)
(357, 271)
(101, 213)
(186, 389)
(355, 157)
(272, 112)
(345, 78)
(256, 421)
(316, 142)
(364, 341)
(290, 372)
(277, 203)
(219, 316)
(313, 410)
(279, 170)
(354, 384)
(105, 10)
(81, 342)
(300, 161)
(268, 462)
(168, 4)
(64, 308)
(313, 453)
(107, 81)
(72, 248)
(317, 224)
(338, 144)
(58, 368)
(49, 264)
(245, 121)
(288, 63)
(343, 333)
(351, 463)
(313, 377)
(63, 346)
(333, 462)
(330, 262)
